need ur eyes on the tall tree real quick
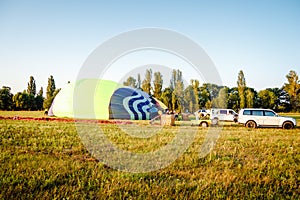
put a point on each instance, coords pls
(41, 92)
(146, 84)
(31, 102)
(130, 82)
(31, 87)
(196, 84)
(267, 99)
(50, 93)
(221, 100)
(233, 99)
(250, 97)
(284, 104)
(21, 101)
(178, 91)
(6, 101)
(204, 97)
(281, 99)
(293, 89)
(213, 90)
(241, 83)
(158, 83)
(172, 88)
(174, 101)
(39, 99)
(208, 104)
(173, 79)
(166, 97)
(189, 98)
(139, 83)
(50, 87)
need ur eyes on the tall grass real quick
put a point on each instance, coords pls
(47, 160)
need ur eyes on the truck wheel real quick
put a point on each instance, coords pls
(204, 124)
(250, 124)
(215, 121)
(287, 125)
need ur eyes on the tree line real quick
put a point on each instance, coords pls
(29, 99)
(176, 96)
(194, 96)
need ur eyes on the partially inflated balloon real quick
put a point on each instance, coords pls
(103, 99)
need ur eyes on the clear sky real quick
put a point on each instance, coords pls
(43, 38)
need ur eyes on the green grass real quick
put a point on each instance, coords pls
(47, 160)
(22, 113)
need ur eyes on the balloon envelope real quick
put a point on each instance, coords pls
(103, 99)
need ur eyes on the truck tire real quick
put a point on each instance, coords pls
(288, 125)
(203, 124)
(215, 121)
(251, 124)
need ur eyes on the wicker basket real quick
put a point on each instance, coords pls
(167, 120)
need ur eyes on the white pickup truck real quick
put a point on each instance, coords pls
(217, 115)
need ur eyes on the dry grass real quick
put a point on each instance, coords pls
(47, 160)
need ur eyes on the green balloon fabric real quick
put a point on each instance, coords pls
(87, 98)
(62, 105)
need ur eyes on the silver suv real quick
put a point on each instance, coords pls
(256, 117)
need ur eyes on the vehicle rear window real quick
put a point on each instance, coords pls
(247, 112)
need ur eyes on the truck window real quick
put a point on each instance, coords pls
(223, 112)
(258, 112)
(269, 113)
(247, 112)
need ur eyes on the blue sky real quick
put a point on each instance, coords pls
(43, 38)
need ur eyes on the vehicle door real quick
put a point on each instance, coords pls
(271, 119)
(230, 115)
(258, 115)
(222, 115)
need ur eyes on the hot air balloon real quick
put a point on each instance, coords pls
(104, 99)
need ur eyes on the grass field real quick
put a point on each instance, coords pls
(22, 113)
(47, 160)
